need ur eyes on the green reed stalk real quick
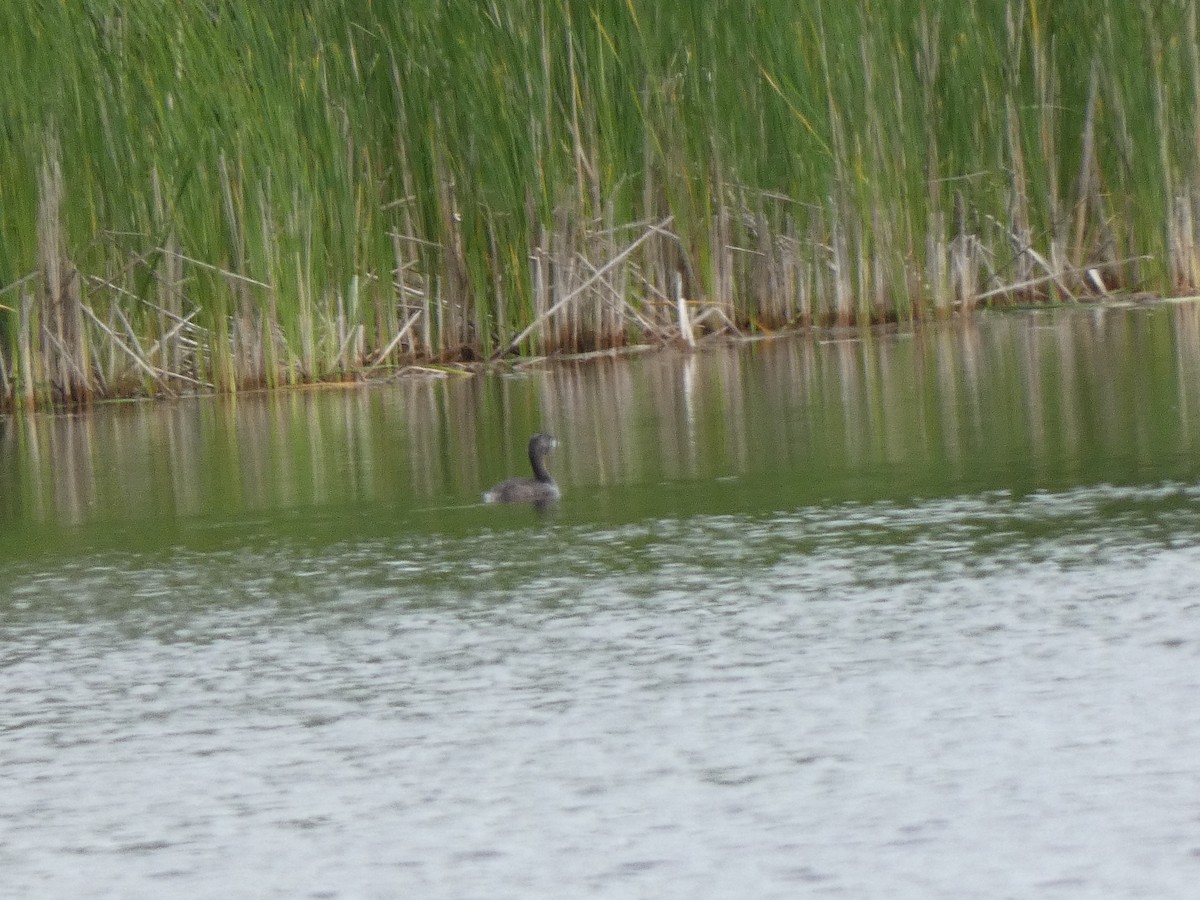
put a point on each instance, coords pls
(242, 194)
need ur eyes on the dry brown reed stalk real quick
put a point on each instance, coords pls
(169, 289)
(25, 327)
(64, 346)
(937, 265)
(134, 353)
(685, 326)
(610, 310)
(400, 335)
(1019, 288)
(1084, 191)
(570, 295)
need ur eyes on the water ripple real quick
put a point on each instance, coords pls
(986, 695)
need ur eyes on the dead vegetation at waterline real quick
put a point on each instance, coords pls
(199, 204)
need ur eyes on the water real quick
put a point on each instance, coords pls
(909, 617)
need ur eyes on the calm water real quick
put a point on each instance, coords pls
(915, 616)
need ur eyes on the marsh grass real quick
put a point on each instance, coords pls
(241, 194)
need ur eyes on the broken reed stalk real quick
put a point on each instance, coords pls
(303, 235)
(650, 232)
(685, 326)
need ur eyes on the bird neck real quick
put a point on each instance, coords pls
(539, 469)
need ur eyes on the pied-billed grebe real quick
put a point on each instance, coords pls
(538, 489)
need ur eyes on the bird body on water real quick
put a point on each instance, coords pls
(538, 489)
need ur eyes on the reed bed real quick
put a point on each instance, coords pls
(237, 194)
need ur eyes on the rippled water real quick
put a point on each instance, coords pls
(706, 674)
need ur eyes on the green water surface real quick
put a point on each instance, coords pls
(1013, 402)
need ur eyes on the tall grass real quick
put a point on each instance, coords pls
(233, 194)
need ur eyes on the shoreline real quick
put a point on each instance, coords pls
(514, 364)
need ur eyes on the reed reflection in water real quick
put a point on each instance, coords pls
(991, 401)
